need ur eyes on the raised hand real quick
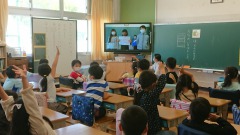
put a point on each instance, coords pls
(19, 71)
(58, 52)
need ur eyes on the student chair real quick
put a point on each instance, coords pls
(234, 96)
(185, 130)
(41, 98)
(66, 82)
(171, 86)
(236, 114)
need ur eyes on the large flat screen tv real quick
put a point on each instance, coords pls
(127, 37)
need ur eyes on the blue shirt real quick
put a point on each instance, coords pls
(142, 41)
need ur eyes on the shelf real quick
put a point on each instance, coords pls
(2, 57)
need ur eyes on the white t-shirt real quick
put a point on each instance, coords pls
(155, 68)
(234, 86)
(51, 89)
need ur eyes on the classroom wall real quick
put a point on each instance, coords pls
(137, 11)
(186, 11)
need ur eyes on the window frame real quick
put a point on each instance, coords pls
(35, 12)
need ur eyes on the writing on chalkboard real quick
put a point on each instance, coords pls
(181, 38)
(188, 44)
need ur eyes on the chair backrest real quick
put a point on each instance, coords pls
(185, 130)
(180, 105)
(236, 114)
(83, 109)
(171, 86)
(234, 96)
(65, 82)
(41, 98)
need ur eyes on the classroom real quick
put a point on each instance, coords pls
(115, 67)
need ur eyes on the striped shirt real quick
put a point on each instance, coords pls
(96, 89)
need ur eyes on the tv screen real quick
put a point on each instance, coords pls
(127, 37)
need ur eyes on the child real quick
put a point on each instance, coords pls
(125, 46)
(94, 63)
(199, 112)
(96, 88)
(24, 114)
(186, 88)
(113, 39)
(133, 121)
(134, 43)
(141, 66)
(142, 39)
(47, 84)
(148, 97)
(171, 75)
(13, 82)
(131, 74)
(232, 79)
(76, 75)
(157, 60)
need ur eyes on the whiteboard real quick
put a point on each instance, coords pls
(61, 33)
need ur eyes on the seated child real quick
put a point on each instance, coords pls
(231, 80)
(156, 59)
(76, 75)
(23, 114)
(186, 88)
(97, 64)
(141, 66)
(43, 61)
(148, 97)
(199, 112)
(97, 89)
(133, 121)
(131, 74)
(171, 75)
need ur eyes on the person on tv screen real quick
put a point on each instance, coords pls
(142, 39)
(134, 43)
(113, 40)
(124, 40)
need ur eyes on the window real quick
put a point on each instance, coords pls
(19, 3)
(75, 6)
(82, 34)
(18, 36)
(46, 4)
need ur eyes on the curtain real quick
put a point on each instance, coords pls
(3, 18)
(101, 13)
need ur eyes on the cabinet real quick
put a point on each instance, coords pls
(18, 61)
(115, 70)
(3, 56)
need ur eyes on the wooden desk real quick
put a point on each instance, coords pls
(119, 101)
(116, 86)
(68, 95)
(221, 104)
(171, 115)
(79, 129)
(237, 127)
(166, 94)
(36, 86)
(58, 119)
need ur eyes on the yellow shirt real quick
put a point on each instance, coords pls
(138, 74)
(127, 75)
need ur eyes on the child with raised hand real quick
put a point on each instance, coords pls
(148, 96)
(24, 114)
(231, 80)
(199, 112)
(186, 88)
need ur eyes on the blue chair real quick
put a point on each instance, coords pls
(236, 114)
(234, 96)
(185, 130)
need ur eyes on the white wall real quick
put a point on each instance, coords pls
(185, 11)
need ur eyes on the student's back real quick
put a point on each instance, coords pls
(171, 75)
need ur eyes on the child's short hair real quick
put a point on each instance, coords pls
(96, 72)
(10, 73)
(143, 26)
(147, 78)
(94, 63)
(133, 120)
(158, 57)
(76, 62)
(43, 61)
(199, 109)
(143, 64)
(171, 62)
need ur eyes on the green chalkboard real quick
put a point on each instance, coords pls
(216, 47)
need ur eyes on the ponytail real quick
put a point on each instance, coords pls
(230, 73)
(43, 84)
(227, 81)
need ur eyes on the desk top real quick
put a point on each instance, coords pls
(79, 129)
(69, 93)
(113, 85)
(53, 115)
(116, 99)
(170, 113)
(214, 101)
(237, 127)
(166, 90)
